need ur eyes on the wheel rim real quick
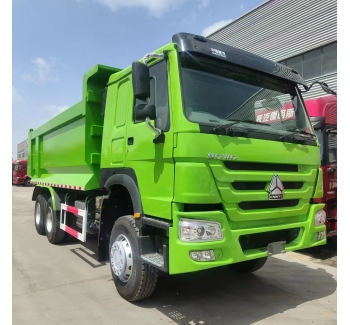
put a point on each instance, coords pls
(121, 258)
(49, 220)
(37, 213)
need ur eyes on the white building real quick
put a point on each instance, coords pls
(299, 33)
(22, 150)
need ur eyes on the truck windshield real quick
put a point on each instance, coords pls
(17, 167)
(217, 93)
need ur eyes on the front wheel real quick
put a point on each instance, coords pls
(134, 279)
(27, 182)
(334, 241)
(248, 266)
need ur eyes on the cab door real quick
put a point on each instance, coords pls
(153, 162)
(114, 132)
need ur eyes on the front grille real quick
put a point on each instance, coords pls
(237, 165)
(256, 186)
(202, 207)
(261, 240)
(255, 205)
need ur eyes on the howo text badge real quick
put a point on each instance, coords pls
(275, 188)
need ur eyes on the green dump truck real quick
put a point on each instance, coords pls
(197, 156)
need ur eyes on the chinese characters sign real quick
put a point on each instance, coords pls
(264, 115)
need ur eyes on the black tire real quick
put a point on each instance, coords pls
(334, 241)
(140, 279)
(27, 182)
(248, 266)
(39, 214)
(53, 231)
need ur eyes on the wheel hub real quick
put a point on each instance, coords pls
(49, 220)
(121, 258)
(37, 213)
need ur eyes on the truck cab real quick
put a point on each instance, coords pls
(323, 115)
(13, 168)
(19, 173)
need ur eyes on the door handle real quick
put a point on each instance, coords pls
(130, 141)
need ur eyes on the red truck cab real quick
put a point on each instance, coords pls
(13, 167)
(19, 173)
(323, 115)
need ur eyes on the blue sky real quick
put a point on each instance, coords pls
(55, 42)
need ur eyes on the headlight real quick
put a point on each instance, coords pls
(199, 230)
(320, 217)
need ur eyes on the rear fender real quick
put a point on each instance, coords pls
(50, 192)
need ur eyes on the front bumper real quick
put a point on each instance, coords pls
(229, 249)
(17, 180)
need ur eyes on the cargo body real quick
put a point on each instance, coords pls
(202, 156)
(66, 151)
(323, 114)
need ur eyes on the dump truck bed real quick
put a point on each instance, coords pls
(66, 150)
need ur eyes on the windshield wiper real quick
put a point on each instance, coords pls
(301, 131)
(224, 126)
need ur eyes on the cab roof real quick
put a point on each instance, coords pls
(323, 107)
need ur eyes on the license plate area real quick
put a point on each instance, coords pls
(278, 247)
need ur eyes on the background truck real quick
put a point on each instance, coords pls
(323, 115)
(13, 167)
(165, 163)
(19, 173)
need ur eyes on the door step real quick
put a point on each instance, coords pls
(154, 259)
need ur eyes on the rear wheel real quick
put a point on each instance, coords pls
(248, 266)
(134, 279)
(39, 214)
(53, 231)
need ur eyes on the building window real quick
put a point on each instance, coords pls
(312, 64)
(296, 63)
(329, 62)
(315, 63)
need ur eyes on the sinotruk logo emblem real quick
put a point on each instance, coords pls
(275, 188)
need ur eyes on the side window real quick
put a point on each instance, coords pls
(151, 100)
(332, 147)
(123, 94)
(159, 95)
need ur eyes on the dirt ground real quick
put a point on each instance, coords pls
(326, 254)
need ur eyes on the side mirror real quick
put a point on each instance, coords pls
(142, 111)
(323, 85)
(140, 80)
(326, 89)
(317, 122)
